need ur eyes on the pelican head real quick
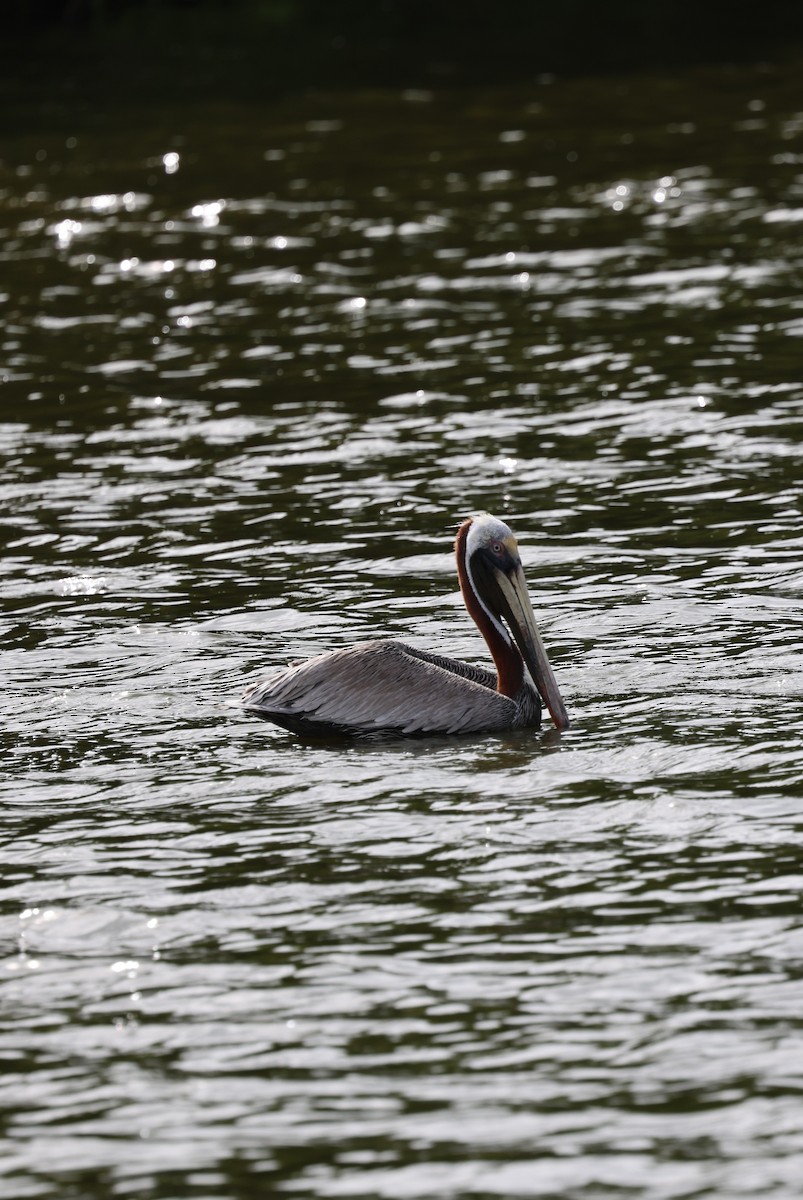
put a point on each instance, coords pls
(496, 578)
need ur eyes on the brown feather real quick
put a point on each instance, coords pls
(387, 689)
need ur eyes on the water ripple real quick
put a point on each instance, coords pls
(529, 965)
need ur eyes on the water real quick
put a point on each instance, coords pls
(257, 364)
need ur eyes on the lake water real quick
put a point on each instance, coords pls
(257, 363)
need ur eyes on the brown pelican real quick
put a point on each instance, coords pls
(387, 689)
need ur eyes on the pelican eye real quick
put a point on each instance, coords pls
(497, 548)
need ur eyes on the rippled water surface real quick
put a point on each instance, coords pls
(256, 364)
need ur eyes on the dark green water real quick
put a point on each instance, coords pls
(256, 363)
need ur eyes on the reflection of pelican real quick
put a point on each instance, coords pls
(385, 689)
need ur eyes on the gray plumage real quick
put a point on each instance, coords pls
(389, 689)
(385, 689)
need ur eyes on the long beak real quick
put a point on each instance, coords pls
(521, 619)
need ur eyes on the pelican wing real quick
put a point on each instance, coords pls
(382, 688)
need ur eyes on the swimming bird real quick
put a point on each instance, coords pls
(383, 689)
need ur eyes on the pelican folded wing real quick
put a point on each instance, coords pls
(381, 689)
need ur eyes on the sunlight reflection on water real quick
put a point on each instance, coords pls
(529, 965)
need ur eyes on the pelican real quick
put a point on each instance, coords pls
(384, 689)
